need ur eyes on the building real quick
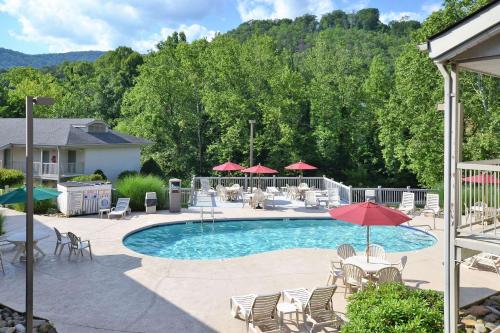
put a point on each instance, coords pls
(472, 189)
(65, 148)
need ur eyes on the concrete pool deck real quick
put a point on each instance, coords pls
(124, 291)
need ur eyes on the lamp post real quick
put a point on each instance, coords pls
(252, 122)
(30, 101)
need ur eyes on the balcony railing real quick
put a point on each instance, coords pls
(479, 198)
(49, 169)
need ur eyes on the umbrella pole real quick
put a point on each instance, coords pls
(367, 243)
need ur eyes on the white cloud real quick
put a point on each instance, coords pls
(104, 24)
(276, 9)
(398, 16)
(429, 8)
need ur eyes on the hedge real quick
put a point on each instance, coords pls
(11, 177)
(135, 188)
(87, 178)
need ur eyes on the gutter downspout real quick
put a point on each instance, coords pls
(448, 325)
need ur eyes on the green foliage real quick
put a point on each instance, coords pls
(395, 308)
(127, 173)
(135, 188)
(100, 173)
(87, 178)
(11, 177)
(150, 167)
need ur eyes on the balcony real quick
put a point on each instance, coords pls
(479, 205)
(50, 170)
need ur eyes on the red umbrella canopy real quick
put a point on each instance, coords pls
(259, 169)
(482, 179)
(228, 166)
(368, 214)
(300, 166)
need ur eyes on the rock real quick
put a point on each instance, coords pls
(491, 326)
(38, 322)
(480, 328)
(469, 321)
(491, 318)
(44, 328)
(7, 330)
(20, 328)
(479, 310)
(495, 299)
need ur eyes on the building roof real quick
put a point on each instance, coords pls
(472, 43)
(61, 132)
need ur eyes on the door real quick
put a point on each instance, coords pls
(71, 169)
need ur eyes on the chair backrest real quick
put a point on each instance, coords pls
(235, 186)
(264, 307)
(73, 239)
(374, 250)
(303, 185)
(293, 190)
(370, 195)
(122, 204)
(432, 202)
(345, 251)
(58, 234)
(205, 184)
(402, 263)
(408, 200)
(333, 193)
(310, 197)
(353, 273)
(389, 274)
(320, 299)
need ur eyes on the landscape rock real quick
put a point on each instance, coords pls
(491, 326)
(495, 298)
(480, 328)
(479, 310)
(491, 318)
(20, 328)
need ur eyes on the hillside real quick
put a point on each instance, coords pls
(10, 58)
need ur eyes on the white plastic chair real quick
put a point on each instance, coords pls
(432, 206)
(354, 278)
(318, 311)
(77, 245)
(311, 199)
(62, 240)
(121, 209)
(333, 198)
(388, 275)
(374, 250)
(401, 264)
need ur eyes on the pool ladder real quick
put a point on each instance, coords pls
(211, 212)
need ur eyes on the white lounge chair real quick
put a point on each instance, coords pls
(333, 198)
(205, 185)
(311, 200)
(121, 209)
(318, 311)
(432, 206)
(407, 204)
(485, 259)
(374, 250)
(259, 312)
(370, 195)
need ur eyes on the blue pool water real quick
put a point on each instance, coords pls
(239, 238)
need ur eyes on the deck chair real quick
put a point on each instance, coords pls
(407, 204)
(389, 275)
(78, 245)
(221, 192)
(354, 278)
(259, 199)
(370, 196)
(374, 250)
(62, 240)
(333, 198)
(318, 311)
(432, 206)
(259, 312)
(311, 200)
(205, 185)
(345, 251)
(485, 259)
(121, 209)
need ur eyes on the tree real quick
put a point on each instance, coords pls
(337, 18)
(367, 19)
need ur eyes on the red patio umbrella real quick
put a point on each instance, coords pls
(368, 214)
(259, 169)
(483, 178)
(228, 166)
(301, 166)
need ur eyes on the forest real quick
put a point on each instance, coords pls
(344, 92)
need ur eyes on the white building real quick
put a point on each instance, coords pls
(66, 148)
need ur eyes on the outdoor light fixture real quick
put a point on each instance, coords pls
(30, 101)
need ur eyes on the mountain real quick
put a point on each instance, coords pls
(10, 58)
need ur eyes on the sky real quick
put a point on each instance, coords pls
(44, 26)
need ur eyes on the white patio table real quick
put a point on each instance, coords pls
(373, 266)
(19, 240)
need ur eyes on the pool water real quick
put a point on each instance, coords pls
(239, 238)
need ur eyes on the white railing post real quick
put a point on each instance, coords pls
(274, 180)
(379, 194)
(350, 194)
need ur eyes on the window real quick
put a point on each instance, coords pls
(71, 156)
(97, 128)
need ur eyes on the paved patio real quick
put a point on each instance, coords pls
(124, 291)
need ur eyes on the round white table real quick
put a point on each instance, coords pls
(19, 240)
(373, 266)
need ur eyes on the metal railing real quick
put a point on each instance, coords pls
(246, 181)
(49, 169)
(479, 197)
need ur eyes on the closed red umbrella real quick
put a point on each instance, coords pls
(483, 178)
(228, 166)
(368, 214)
(301, 166)
(259, 169)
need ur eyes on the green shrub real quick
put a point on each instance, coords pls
(150, 167)
(11, 177)
(127, 173)
(394, 308)
(2, 220)
(41, 207)
(101, 173)
(135, 188)
(87, 178)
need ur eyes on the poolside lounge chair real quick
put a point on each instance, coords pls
(374, 250)
(388, 275)
(354, 278)
(318, 311)
(432, 206)
(370, 196)
(333, 198)
(77, 245)
(62, 239)
(311, 200)
(407, 204)
(221, 192)
(259, 199)
(205, 185)
(121, 209)
(485, 259)
(259, 312)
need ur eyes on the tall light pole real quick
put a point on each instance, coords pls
(252, 122)
(30, 101)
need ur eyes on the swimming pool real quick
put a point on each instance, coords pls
(237, 238)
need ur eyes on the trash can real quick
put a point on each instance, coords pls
(174, 191)
(150, 202)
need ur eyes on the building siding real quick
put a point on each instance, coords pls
(112, 161)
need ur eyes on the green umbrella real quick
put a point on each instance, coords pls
(19, 195)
